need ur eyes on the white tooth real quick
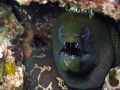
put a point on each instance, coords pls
(65, 46)
(73, 55)
(66, 54)
(76, 45)
(64, 43)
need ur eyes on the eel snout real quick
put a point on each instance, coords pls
(69, 59)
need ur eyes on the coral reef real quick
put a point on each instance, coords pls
(27, 49)
(11, 48)
(112, 80)
(108, 7)
(11, 72)
(39, 25)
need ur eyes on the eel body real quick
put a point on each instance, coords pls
(80, 57)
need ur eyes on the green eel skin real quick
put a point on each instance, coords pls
(83, 53)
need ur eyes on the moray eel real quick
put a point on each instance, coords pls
(82, 52)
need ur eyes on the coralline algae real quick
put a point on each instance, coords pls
(108, 7)
(11, 72)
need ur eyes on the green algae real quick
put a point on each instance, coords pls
(9, 68)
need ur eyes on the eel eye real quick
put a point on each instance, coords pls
(86, 33)
(60, 31)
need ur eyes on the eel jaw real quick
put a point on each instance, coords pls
(70, 49)
(72, 57)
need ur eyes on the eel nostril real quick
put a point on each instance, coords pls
(62, 35)
(77, 36)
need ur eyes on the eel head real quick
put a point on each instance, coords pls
(73, 55)
(82, 50)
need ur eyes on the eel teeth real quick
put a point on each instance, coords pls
(77, 45)
(73, 55)
(64, 45)
(66, 55)
(70, 49)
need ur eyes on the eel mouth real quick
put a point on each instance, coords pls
(73, 58)
(69, 57)
(70, 49)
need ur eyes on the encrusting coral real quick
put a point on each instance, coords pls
(112, 80)
(82, 6)
(11, 72)
(36, 26)
(108, 7)
(11, 29)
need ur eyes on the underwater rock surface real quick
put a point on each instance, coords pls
(38, 31)
(11, 54)
(107, 7)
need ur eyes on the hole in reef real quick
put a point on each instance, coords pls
(1, 83)
(38, 42)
